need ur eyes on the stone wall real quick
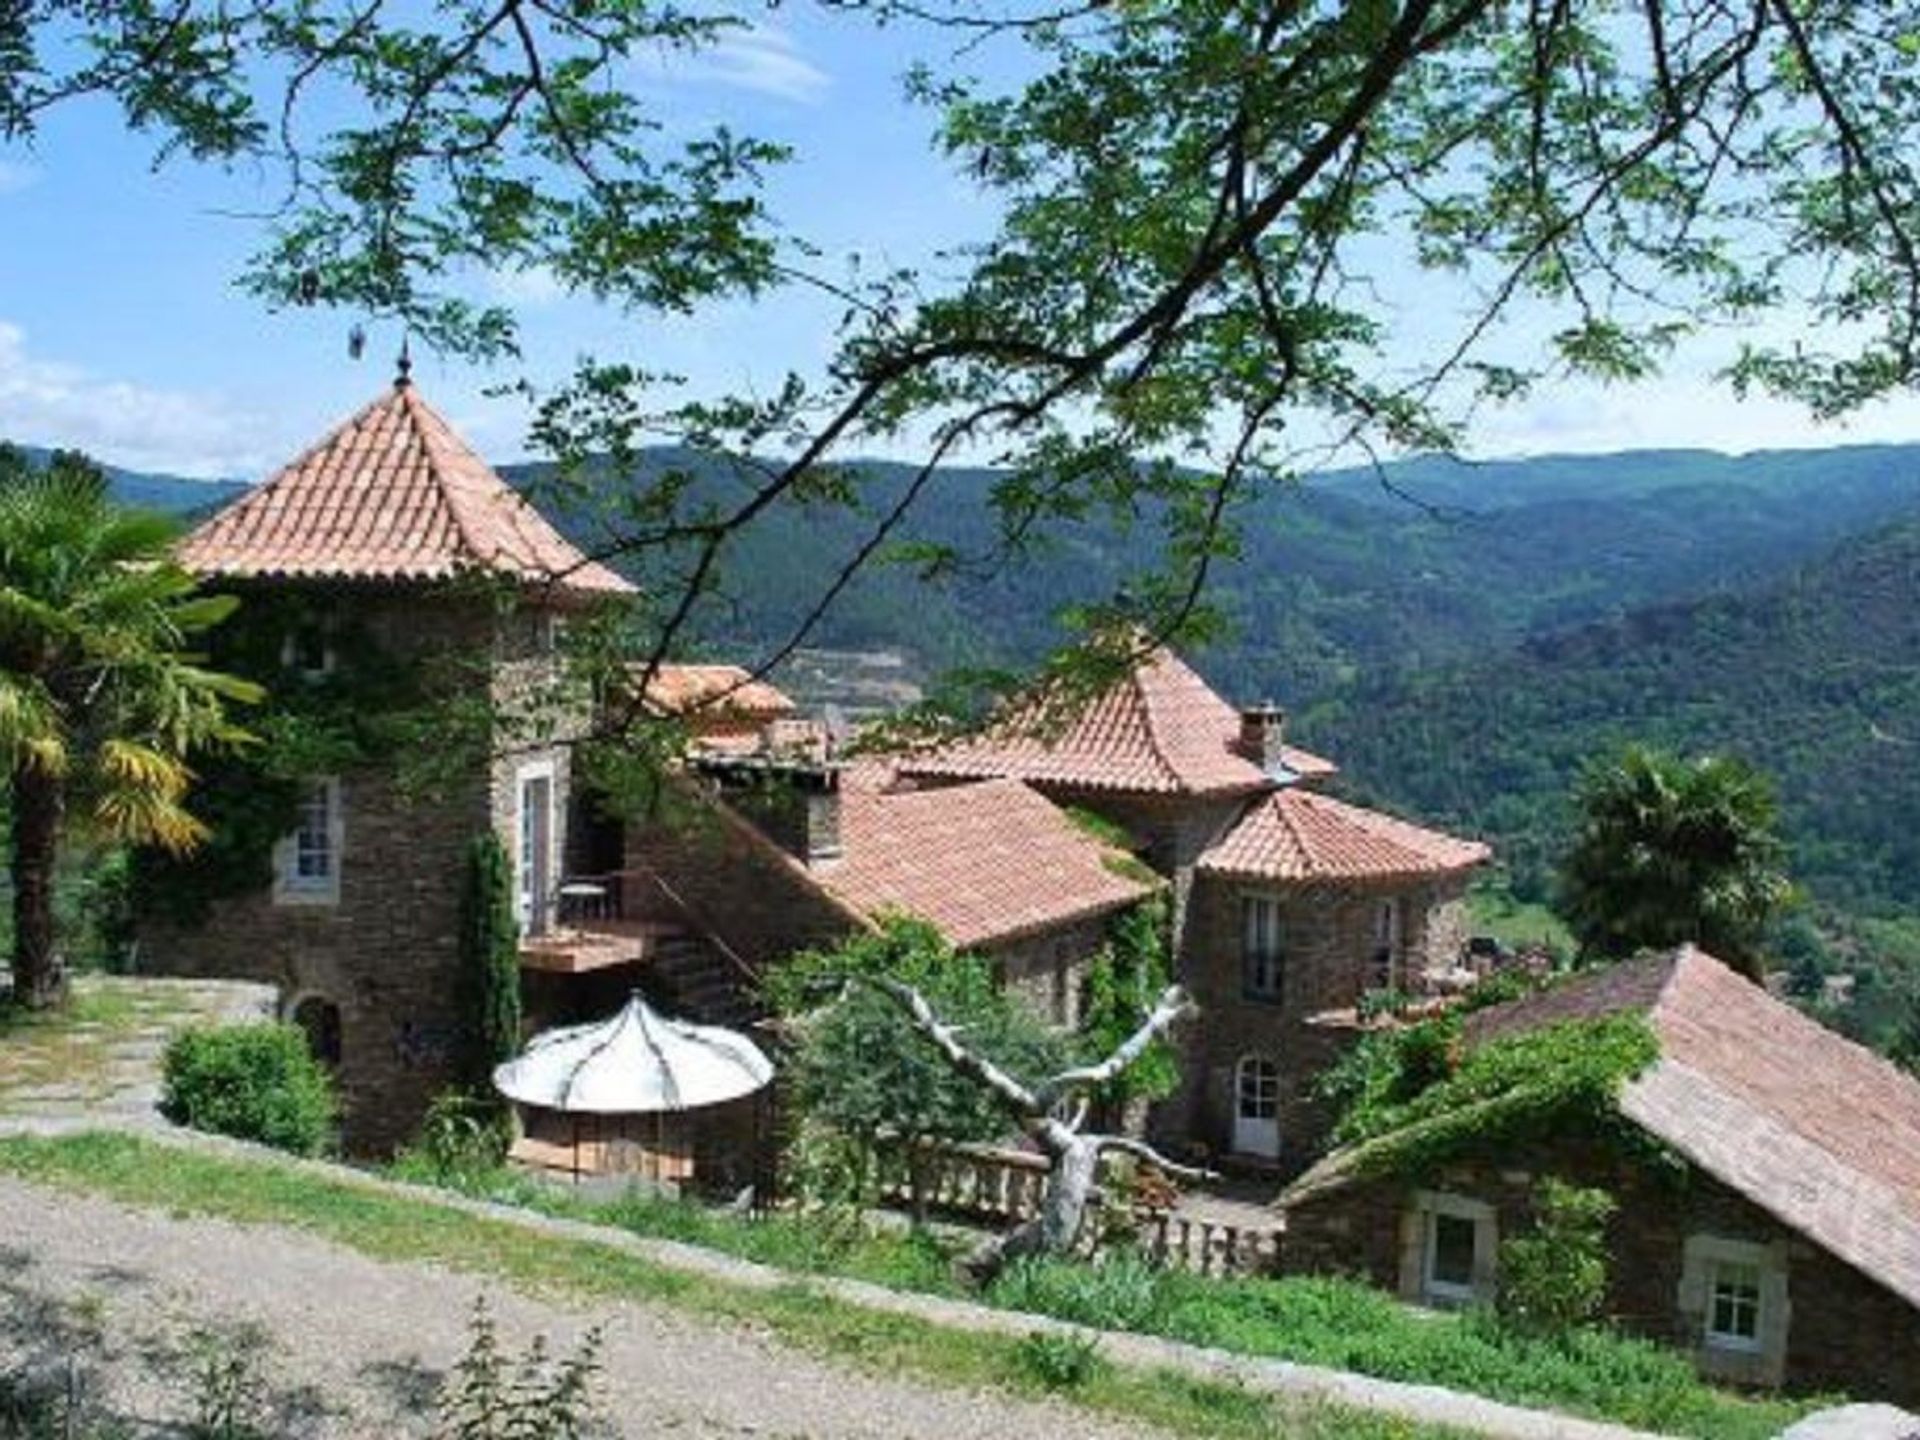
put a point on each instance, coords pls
(385, 951)
(1328, 962)
(1048, 970)
(710, 867)
(1843, 1331)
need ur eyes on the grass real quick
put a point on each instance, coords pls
(388, 1226)
(1320, 1321)
(1492, 910)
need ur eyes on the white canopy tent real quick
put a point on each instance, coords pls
(639, 1062)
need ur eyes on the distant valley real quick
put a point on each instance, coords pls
(1462, 637)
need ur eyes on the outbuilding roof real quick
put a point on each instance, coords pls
(1159, 730)
(1819, 1132)
(390, 495)
(1300, 837)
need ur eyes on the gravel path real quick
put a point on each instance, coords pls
(349, 1346)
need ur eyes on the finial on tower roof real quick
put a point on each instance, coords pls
(404, 375)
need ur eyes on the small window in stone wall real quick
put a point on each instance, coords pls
(1449, 1248)
(307, 859)
(1735, 1294)
(1262, 949)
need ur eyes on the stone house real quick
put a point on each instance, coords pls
(391, 536)
(1767, 1177)
(1289, 905)
(392, 539)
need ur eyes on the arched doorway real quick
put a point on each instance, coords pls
(320, 1019)
(1256, 1107)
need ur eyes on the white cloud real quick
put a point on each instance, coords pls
(1680, 413)
(47, 402)
(535, 285)
(15, 176)
(762, 58)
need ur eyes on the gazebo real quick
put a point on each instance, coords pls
(641, 1096)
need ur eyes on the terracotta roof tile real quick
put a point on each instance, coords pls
(982, 863)
(392, 494)
(725, 689)
(1159, 730)
(1301, 836)
(1816, 1130)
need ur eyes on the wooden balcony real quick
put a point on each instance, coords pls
(588, 931)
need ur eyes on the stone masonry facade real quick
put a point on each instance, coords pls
(1842, 1330)
(384, 949)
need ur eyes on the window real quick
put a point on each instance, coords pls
(1262, 947)
(1450, 1242)
(1450, 1249)
(307, 862)
(1733, 1306)
(308, 651)
(1386, 945)
(1733, 1296)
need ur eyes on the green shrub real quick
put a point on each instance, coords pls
(462, 1141)
(253, 1082)
(1553, 1279)
(1058, 1362)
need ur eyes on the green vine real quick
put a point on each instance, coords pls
(1123, 982)
(1415, 1097)
(359, 711)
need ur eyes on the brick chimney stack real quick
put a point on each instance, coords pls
(1263, 731)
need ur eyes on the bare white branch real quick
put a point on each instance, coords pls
(1174, 1004)
(1153, 1157)
(1017, 1097)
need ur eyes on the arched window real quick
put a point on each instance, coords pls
(320, 1019)
(1256, 1107)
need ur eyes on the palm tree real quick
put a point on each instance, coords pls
(101, 700)
(1670, 851)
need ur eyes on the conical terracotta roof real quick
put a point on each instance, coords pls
(1300, 837)
(1161, 730)
(393, 494)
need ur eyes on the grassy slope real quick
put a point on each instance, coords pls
(401, 1228)
(1327, 1322)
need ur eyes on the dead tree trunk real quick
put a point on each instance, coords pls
(1073, 1171)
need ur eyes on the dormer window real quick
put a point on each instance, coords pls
(307, 651)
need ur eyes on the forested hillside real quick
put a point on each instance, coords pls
(1344, 575)
(1815, 677)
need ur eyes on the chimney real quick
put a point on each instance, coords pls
(793, 802)
(820, 824)
(1263, 730)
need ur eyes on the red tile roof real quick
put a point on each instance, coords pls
(393, 494)
(1299, 836)
(1819, 1132)
(717, 689)
(982, 863)
(1160, 730)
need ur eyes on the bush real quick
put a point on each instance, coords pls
(1059, 1362)
(253, 1082)
(1554, 1278)
(462, 1141)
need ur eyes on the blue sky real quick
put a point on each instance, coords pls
(121, 332)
